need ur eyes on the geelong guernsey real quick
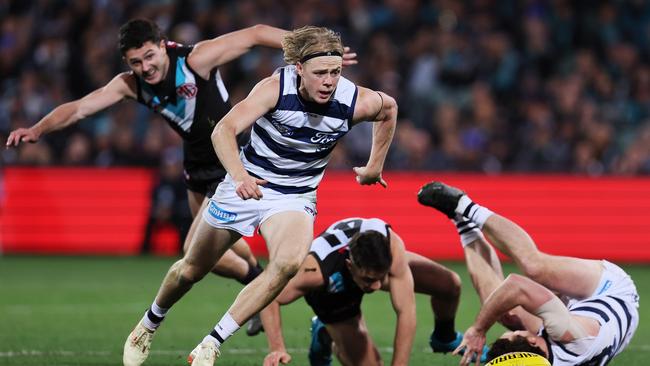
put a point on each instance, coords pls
(291, 144)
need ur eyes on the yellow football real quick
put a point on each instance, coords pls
(519, 359)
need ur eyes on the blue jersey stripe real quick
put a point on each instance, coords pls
(284, 189)
(618, 318)
(305, 134)
(334, 109)
(287, 152)
(265, 164)
(561, 346)
(352, 105)
(628, 316)
(594, 310)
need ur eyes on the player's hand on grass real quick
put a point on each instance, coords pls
(276, 358)
(366, 176)
(22, 135)
(473, 342)
(248, 187)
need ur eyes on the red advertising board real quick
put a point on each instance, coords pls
(100, 211)
(73, 210)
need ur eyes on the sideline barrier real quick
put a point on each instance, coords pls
(607, 217)
(74, 210)
(103, 211)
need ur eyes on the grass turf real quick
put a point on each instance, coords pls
(78, 311)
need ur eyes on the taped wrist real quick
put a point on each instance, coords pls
(558, 320)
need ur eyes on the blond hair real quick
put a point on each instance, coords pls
(307, 40)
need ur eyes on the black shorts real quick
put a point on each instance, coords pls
(203, 180)
(334, 309)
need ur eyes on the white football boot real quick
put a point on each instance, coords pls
(136, 348)
(204, 354)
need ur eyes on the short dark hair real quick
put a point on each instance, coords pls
(370, 250)
(136, 32)
(517, 344)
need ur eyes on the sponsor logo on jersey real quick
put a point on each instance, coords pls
(187, 91)
(284, 130)
(221, 214)
(310, 211)
(335, 283)
(324, 138)
(606, 286)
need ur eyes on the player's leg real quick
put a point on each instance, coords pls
(208, 244)
(443, 285)
(486, 273)
(575, 277)
(353, 345)
(288, 235)
(238, 261)
(570, 276)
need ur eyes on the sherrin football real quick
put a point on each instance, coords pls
(519, 359)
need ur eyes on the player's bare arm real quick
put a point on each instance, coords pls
(380, 108)
(536, 299)
(223, 49)
(122, 86)
(402, 296)
(261, 99)
(308, 278)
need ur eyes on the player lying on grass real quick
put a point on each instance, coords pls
(352, 257)
(596, 322)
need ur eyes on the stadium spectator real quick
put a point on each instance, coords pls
(570, 310)
(352, 257)
(565, 56)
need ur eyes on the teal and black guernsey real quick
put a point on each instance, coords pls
(191, 105)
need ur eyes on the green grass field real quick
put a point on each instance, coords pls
(78, 311)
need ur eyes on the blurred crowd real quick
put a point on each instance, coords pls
(483, 85)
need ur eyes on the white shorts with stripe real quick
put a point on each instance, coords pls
(614, 305)
(227, 210)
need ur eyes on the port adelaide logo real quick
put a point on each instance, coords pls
(187, 91)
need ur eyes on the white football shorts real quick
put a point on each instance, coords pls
(227, 210)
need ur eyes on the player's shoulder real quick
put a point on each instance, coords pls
(124, 83)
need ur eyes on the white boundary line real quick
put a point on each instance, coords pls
(234, 351)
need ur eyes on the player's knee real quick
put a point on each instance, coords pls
(189, 274)
(287, 267)
(455, 285)
(533, 268)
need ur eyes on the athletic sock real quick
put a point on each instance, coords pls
(444, 330)
(224, 329)
(473, 211)
(253, 272)
(154, 316)
(467, 230)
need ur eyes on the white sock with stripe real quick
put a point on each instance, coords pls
(467, 230)
(473, 211)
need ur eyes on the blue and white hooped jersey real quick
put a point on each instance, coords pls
(615, 306)
(291, 145)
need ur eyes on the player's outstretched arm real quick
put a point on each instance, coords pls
(123, 85)
(214, 52)
(308, 278)
(380, 108)
(261, 99)
(402, 296)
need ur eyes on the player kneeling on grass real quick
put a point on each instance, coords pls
(352, 257)
(595, 324)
